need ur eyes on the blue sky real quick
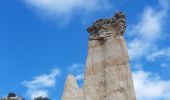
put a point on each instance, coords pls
(42, 41)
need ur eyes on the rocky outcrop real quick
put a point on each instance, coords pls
(104, 28)
(107, 75)
(72, 90)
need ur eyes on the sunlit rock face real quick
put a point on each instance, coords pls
(107, 75)
(72, 90)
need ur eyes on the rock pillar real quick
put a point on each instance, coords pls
(108, 75)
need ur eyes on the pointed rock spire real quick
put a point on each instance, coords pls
(72, 90)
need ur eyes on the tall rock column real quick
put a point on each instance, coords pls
(108, 75)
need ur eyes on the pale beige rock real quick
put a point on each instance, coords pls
(72, 90)
(107, 75)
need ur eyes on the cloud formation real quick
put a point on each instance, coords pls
(144, 36)
(159, 54)
(147, 31)
(40, 85)
(66, 9)
(149, 86)
(77, 70)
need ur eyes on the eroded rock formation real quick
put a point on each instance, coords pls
(107, 75)
(72, 90)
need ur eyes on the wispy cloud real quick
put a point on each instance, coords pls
(144, 37)
(77, 70)
(149, 86)
(148, 31)
(164, 65)
(160, 54)
(40, 85)
(67, 9)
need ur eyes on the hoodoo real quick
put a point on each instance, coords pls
(107, 75)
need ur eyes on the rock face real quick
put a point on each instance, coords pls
(71, 90)
(107, 75)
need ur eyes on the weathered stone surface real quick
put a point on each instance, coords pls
(72, 90)
(103, 28)
(107, 75)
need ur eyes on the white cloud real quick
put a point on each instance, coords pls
(66, 9)
(149, 86)
(144, 37)
(38, 93)
(76, 67)
(164, 53)
(80, 76)
(77, 70)
(40, 85)
(147, 31)
(164, 65)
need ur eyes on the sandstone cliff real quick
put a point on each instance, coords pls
(107, 75)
